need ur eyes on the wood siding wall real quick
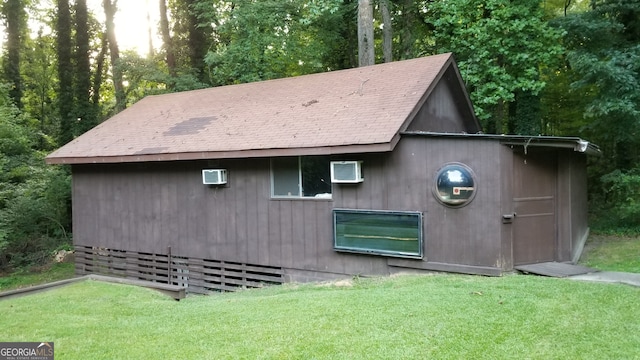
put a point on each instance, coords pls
(150, 207)
(469, 235)
(445, 109)
(572, 203)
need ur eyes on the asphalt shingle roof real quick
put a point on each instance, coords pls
(361, 109)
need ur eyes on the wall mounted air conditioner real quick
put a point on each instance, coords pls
(349, 172)
(214, 176)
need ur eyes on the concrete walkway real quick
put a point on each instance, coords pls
(609, 277)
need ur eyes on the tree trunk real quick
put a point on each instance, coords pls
(366, 55)
(97, 78)
(151, 51)
(14, 16)
(525, 114)
(406, 34)
(84, 110)
(166, 39)
(65, 71)
(387, 31)
(110, 9)
(197, 41)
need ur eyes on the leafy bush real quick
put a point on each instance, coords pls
(618, 209)
(35, 217)
(34, 198)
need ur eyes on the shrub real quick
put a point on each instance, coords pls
(619, 207)
(34, 220)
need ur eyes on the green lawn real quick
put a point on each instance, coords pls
(612, 253)
(53, 272)
(405, 317)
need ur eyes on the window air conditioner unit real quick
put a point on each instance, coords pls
(214, 176)
(349, 172)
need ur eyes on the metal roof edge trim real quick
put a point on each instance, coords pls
(575, 143)
(239, 154)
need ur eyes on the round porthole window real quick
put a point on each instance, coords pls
(455, 185)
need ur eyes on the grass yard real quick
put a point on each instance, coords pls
(404, 317)
(50, 273)
(612, 253)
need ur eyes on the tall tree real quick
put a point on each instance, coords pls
(167, 41)
(99, 72)
(198, 43)
(65, 71)
(500, 45)
(366, 45)
(15, 18)
(604, 56)
(40, 87)
(151, 50)
(387, 31)
(110, 9)
(84, 109)
(259, 40)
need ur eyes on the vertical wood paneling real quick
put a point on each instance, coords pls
(180, 218)
(327, 258)
(378, 190)
(286, 233)
(534, 190)
(311, 234)
(123, 198)
(298, 233)
(506, 204)
(169, 202)
(165, 204)
(156, 183)
(468, 235)
(252, 248)
(579, 204)
(85, 210)
(145, 211)
(572, 207)
(263, 209)
(563, 207)
(274, 239)
(194, 214)
(240, 192)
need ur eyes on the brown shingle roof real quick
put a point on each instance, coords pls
(354, 110)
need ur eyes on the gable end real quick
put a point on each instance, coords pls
(447, 108)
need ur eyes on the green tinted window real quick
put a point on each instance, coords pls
(378, 232)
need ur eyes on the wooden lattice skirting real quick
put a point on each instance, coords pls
(197, 275)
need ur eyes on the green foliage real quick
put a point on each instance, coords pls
(618, 206)
(34, 198)
(603, 75)
(500, 47)
(604, 53)
(270, 39)
(40, 83)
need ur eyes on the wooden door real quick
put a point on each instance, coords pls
(534, 204)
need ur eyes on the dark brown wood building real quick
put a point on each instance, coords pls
(363, 171)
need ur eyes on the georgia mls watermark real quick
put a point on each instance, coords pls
(26, 351)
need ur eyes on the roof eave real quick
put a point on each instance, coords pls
(237, 154)
(575, 143)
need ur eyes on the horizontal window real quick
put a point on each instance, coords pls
(303, 176)
(391, 233)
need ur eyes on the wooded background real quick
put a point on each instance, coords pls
(532, 67)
